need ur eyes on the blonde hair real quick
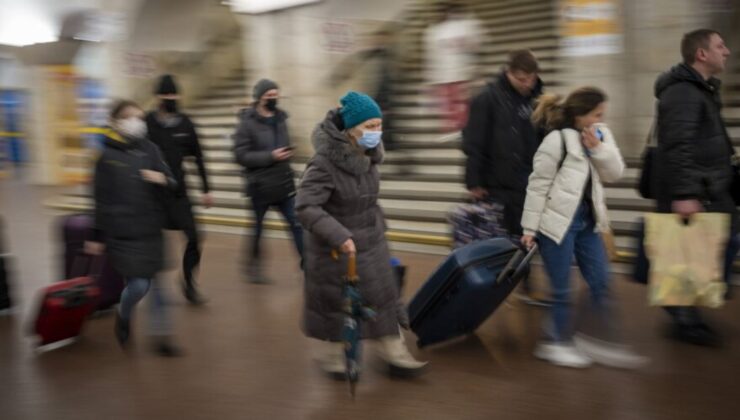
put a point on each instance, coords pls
(553, 113)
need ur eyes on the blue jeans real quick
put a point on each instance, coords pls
(287, 208)
(136, 289)
(582, 241)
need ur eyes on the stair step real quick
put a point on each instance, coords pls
(215, 132)
(387, 175)
(395, 209)
(493, 25)
(625, 189)
(494, 10)
(418, 124)
(536, 40)
(413, 71)
(545, 57)
(235, 102)
(229, 167)
(417, 84)
(216, 111)
(389, 188)
(215, 120)
(619, 197)
(232, 89)
(220, 150)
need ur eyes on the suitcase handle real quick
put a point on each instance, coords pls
(517, 265)
(74, 297)
(94, 268)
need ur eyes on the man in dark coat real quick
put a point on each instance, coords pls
(500, 140)
(694, 171)
(175, 134)
(262, 147)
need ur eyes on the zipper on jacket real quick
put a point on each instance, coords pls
(583, 189)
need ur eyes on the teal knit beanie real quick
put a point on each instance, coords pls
(358, 108)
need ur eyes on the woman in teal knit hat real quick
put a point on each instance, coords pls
(337, 204)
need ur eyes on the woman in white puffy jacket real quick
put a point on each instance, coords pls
(564, 213)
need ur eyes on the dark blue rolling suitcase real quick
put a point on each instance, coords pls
(466, 289)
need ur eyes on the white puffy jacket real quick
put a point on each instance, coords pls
(553, 195)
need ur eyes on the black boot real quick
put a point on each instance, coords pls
(164, 347)
(689, 327)
(193, 296)
(255, 274)
(697, 334)
(122, 329)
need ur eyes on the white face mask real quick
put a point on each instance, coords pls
(132, 127)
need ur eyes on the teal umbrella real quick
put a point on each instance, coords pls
(356, 311)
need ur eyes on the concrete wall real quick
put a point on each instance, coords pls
(290, 47)
(11, 73)
(652, 36)
(198, 41)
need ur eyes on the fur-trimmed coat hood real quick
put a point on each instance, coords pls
(330, 141)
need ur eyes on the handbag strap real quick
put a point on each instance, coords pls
(652, 137)
(563, 150)
(734, 158)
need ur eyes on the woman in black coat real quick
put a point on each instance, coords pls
(129, 178)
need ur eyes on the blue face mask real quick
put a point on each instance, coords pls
(370, 139)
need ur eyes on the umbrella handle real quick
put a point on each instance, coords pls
(352, 267)
(351, 263)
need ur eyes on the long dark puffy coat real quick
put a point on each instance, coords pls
(338, 200)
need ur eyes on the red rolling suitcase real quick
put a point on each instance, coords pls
(64, 308)
(78, 228)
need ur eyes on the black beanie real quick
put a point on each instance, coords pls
(166, 85)
(262, 87)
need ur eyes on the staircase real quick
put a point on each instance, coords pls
(422, 180)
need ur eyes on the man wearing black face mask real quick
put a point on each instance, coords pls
(262, 147)
(175, 135)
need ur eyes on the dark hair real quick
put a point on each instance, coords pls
(694, 40)
(553, 114)
(119, 106)
(523, 60)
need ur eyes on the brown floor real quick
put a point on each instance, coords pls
(246, 357)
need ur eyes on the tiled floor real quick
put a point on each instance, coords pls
(247, 359)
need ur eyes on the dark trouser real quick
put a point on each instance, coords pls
(180, 217)
(287, 208)
(689, 315)
(4, 289)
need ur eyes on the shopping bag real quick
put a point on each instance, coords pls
(686, 258)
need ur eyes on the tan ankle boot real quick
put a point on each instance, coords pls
(393, 350)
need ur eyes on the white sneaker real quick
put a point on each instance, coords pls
(609, 354)
(566, 355)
